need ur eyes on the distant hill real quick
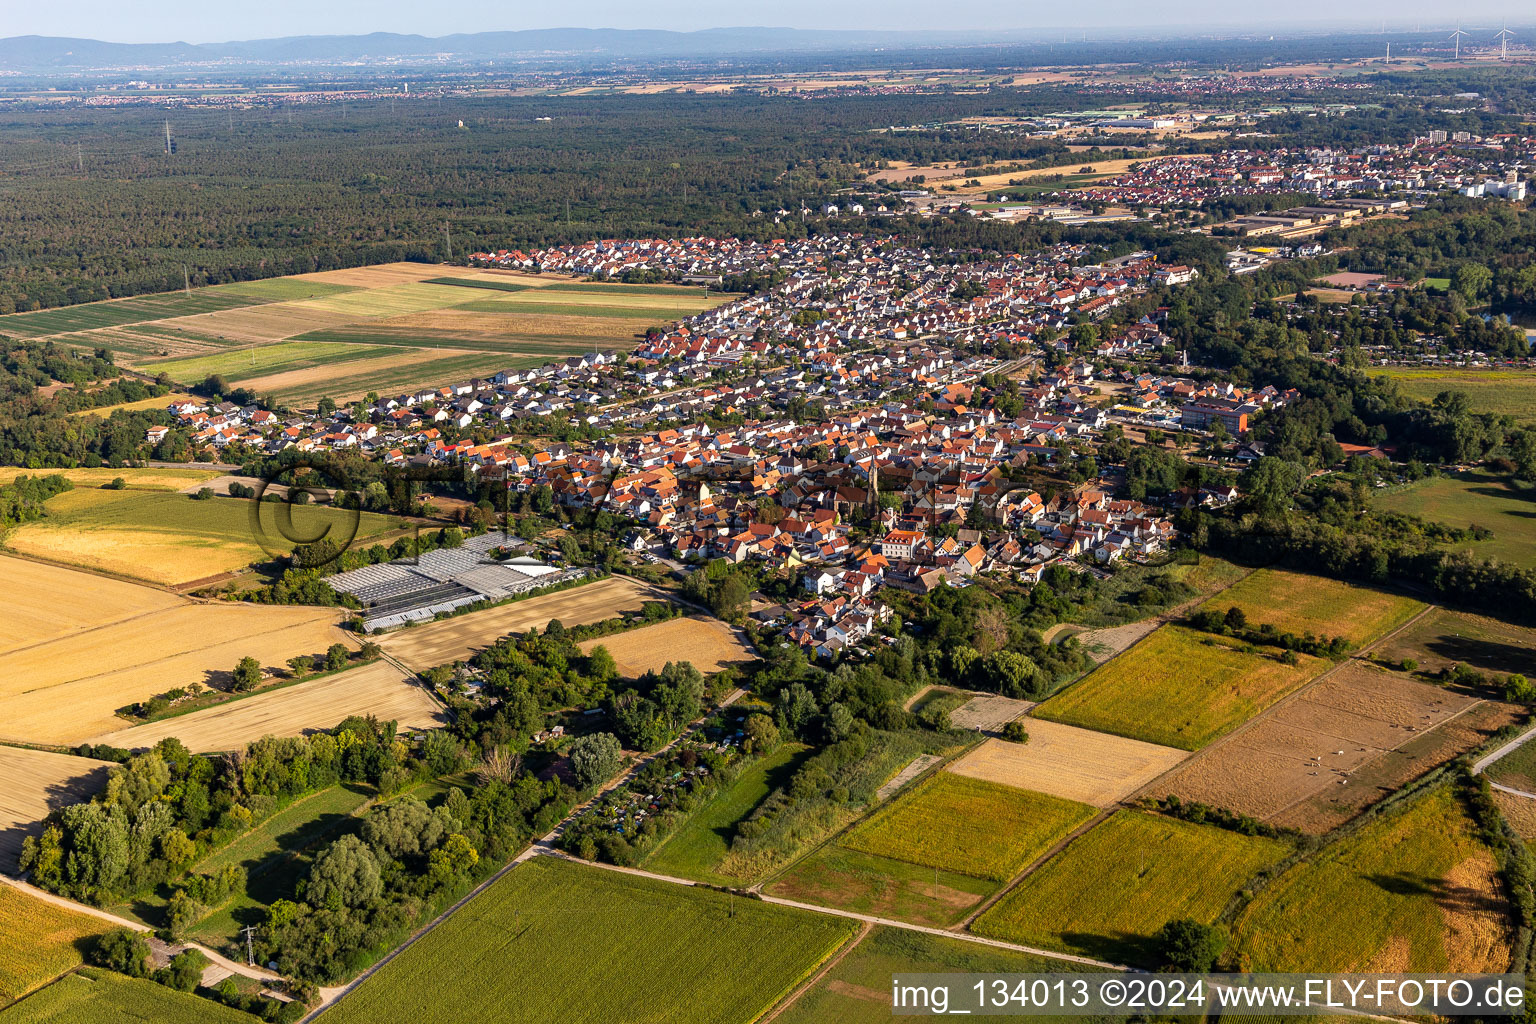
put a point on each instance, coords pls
(55, 53)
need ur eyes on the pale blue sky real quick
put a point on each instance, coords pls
(201, 21)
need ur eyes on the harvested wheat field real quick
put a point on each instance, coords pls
(708, 644)
(67, 689)
(172, 479)
(257, 325)
(43, 602)
(36, 782)
(496, 326)
(449, 640)
(1305, 764)
(378, 689)
(380, 276)
(1078, 764)
(1519, 811)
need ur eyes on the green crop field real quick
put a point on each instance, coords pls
(1506, 392)
(1295, 602)
(259, 361)
(101, 997)
(287, 289)
(1413, 890)
(858, 989)
(38, 942)
(117, 312)
(170, 538)
(968, 826)
(553, 940)
(697, 847)
(1174, 689)
(1475, 499)
(835, 876)
(1109, 892)
(479, 282)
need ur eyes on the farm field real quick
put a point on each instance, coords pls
(1302, 765)
(170, 538)
(92, 996)
(1475, 499)
(375, 689)
(1112, 888)
(1089, 767)
(1411, 891)
(967, 826)
(38, 941)
(143, 404)
(448, 640)
(865, 883)
(1174, 690)
(858, 989)
(707, 643)
(345, 333)
(171, 479)
(578, 943)
(1444, 638)
(37, 782)
(42, 602)
(1504, 392)
(1297, 603)
(116, 643)
(1520, 812)
(988, 712)
(694, 850)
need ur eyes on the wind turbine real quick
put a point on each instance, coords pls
(1457, 36)
(1502, 35)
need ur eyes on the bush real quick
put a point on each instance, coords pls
(203, 494)
(122, 950)
(595, 759)
(1014, 731)
(185, 971)
(1189, 946)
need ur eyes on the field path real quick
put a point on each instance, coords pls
(814, 979)
(1483, 762)
(216, 960)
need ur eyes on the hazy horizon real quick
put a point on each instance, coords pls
(183, 21)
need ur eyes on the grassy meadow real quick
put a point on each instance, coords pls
(1506, 392)
(704, 839)
(1174, 689)
(1475, 499)
(865, 883)
(572, 942)
(1298, 603)
(1109, 892)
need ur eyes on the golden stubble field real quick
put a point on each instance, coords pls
(708, 644)
(449, 640)
(378, 689)
(36, 782)
(77, 647)
(1077, 764)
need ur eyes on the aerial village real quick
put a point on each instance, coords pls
(898, 469)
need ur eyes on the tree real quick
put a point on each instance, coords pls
(176, 848)
(185, 971)
(406, 827)
(1473, 281)
(839, 722)
(1189, 946)
(336, 657)
(247, 675)
(301, 665)
(595, 758)
(1015, 732)
(1271, 484)
(600, 665)
(345, 874)
(122, 950)
(762, 734)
